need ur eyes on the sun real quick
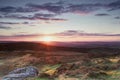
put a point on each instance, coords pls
(47, 39)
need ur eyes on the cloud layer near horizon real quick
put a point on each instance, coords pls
(68, 33)
(63, 36)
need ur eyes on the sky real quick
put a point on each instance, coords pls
(60, 20)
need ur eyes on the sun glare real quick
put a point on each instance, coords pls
(47, 39)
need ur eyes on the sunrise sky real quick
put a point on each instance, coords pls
(60, 20)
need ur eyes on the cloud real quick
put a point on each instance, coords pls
(20, 36)
(64, 34)
(27, 35)
(102, 14)
(51, 7)
(1, 16)
(54, 9)
(5, 27)
(14, 23)
(8, 9)
(62, 7)
(84, 8)
(11, 9)
(44, 17)
(82, 33)
(114, 5)
(9, 23)
(118, 17)
(67, 33)
(40, 18)
(91, 7)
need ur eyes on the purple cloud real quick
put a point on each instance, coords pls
(67, 33)
(20, 36)
(40, 18)
(11, 9)
(1, 16)
(62, 7)
(9, 23)
(84, 8)
(44, 17)
(114, 5)
(51, 7)
(102, 14)
(118, 17)
(5, 27)
(82, 33)
(13, 23)
(56, 8)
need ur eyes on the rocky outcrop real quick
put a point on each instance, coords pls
(21, 73)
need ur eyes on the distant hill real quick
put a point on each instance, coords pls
(89, 44)
(11, 46)
(94, 51)
(73, 46)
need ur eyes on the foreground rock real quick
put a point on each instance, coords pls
(21, 73)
